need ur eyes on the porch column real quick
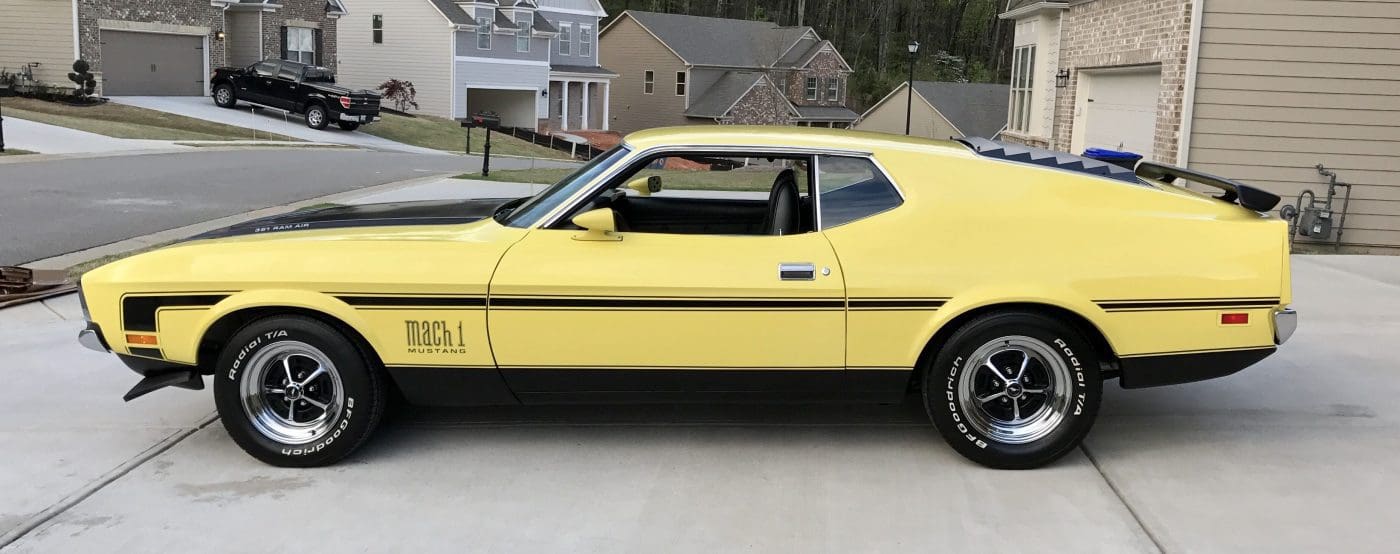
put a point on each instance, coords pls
(584, 124)
(607, 101)
(564, 106)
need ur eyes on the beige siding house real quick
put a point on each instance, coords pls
(633, 51)
(1257, 90)
(38, 32)
(939, 111)
(416, 44)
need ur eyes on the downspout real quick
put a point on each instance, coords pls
(1188, 108)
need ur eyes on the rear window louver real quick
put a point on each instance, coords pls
(1048, 158)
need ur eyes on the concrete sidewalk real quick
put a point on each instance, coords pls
(265, 120)
(22, 134)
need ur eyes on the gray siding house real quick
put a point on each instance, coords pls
(533, 62)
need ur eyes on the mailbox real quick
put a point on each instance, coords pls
(487, 120)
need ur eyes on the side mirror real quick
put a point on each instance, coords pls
(645, 186)
(599, 224)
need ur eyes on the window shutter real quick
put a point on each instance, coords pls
(284, 43)
(320, 57)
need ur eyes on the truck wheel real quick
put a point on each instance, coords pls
(294, 392)
(1013, 390)
(224, 97)
(316, 117)
(348, 125)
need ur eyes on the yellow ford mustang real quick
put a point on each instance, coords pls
(722, 264)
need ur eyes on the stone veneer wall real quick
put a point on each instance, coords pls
(762, 105)
(174, 15)
(299, 13)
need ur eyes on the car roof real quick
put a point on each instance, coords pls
(790, 137)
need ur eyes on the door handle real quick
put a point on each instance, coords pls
(797, 271)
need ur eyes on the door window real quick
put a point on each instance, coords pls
(265, 69)
(853, 188)
(709, 194)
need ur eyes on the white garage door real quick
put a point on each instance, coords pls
(1118, 110)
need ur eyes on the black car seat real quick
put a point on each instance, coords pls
(784, 206)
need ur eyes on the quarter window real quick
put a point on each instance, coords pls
(680, 83)
(1022, 83)
(376, 25)
(483, 33)
(649, 82)
(811, 88)
(585, 40)
(851, 189)
(566, 38)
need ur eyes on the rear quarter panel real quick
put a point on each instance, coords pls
(981, 232)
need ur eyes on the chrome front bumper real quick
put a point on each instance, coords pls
(91, 337)
(1285, 322)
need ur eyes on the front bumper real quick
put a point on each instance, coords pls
(91, 337)
(1285, 322)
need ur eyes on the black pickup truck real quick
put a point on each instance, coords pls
(297, 88)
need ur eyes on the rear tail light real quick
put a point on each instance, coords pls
(345, 102)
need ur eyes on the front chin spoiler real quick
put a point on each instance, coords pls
(159, 379)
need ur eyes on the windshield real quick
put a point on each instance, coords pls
(543, 203)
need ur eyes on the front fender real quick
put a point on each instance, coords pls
(186, 349)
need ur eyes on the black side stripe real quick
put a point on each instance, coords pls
(880, 304)
(1192, 304)
(146, 352)
(667, 303)
(414, 301)
(139, 312)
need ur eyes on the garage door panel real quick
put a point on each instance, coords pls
(152, 64)
(1120, 111)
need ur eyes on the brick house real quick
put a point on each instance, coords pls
(683, 70)
(1257, 91)
(162, 47)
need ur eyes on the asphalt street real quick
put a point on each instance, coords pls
(1296, 454)
(56, 206)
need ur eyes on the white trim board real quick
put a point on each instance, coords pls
(501, 61)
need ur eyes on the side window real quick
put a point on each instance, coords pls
(376, 27)
(851, 189)
(265, 69)
(649, 82)
(710, 194)
(565, 38)
(290, 71)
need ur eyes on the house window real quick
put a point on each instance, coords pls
(585, 40)
(301, 45)
(566, 38)
(483, 33)
(376, 25)
(526, 22)
(833, 89)
(811, 88)
(649, 82)
(680, 83)
(1022, 83)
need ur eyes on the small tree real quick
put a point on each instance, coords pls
(401, 93)
(85, 81)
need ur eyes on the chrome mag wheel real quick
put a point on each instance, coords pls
(223, 95)
(1015, 389)
(292, 393)
(315, 117)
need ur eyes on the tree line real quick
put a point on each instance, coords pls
(960, 40)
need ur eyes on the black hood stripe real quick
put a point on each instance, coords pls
(436, 212)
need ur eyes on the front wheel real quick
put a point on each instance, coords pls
(348, 125)
(294, 392)
(224, 97)
(316, 117)
(1013, 390)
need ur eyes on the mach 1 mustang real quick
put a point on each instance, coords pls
(1002, 284)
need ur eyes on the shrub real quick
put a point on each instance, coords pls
(401, 93)
(85, 81)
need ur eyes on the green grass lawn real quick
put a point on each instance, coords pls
(737, 180)
(14, 152)
(445, 134)
(129, 122)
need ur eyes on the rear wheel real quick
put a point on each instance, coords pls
(316, 117)
(1013, 390)
(224, 97)
(348, 125)
(294, 392)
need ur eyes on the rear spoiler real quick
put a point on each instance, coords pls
(1235, 192)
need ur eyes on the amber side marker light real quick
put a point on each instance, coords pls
(1234, 319)
(141, 339)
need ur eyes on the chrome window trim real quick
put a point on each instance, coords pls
(577, 198)
(815, 182)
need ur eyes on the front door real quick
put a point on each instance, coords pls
(255, 85)
(681, 304)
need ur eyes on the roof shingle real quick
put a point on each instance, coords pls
(723, 42)
(976, 109)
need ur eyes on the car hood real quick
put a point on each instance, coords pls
(432, 212)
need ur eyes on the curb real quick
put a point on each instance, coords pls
(71, 259)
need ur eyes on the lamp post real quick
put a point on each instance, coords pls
(909, 94)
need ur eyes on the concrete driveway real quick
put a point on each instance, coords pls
(265, 120)
(1296, 454)
(22, 134)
